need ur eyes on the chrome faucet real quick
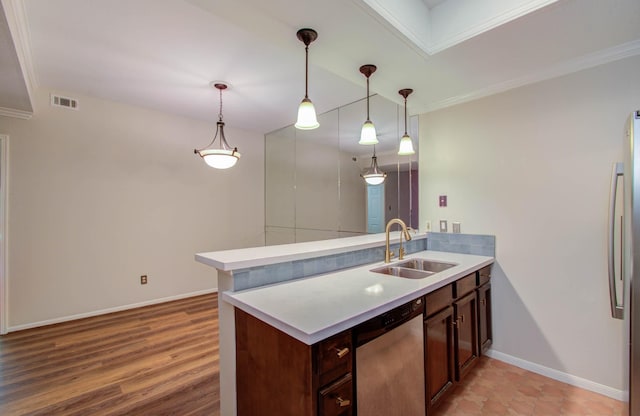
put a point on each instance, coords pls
(388, 254)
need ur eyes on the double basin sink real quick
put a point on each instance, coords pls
(414, 268)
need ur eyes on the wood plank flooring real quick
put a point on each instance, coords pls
(163, 360)
(157, 360)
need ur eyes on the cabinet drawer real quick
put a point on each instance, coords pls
(464, 285)
(335, 352)
(438, 300)
(484, 275)
(337, 399)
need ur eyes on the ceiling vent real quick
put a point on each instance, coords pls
(64, 102)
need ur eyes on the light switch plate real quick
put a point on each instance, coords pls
(443, 226)
(455, 226)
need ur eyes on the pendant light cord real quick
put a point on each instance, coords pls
(368, 105)
(306, 71)
(405, 116)
(220, 112)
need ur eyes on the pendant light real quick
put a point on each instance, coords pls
(307, 119)
(406, 144)
(368, 134)
(374, 176)
(223, 156)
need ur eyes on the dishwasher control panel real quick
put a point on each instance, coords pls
(401, 312)
(387, 321)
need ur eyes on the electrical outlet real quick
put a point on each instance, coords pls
(143, 279)
(456, 227)
(428, 225)
(443, 226)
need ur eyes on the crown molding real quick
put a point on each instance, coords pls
(16, 19)
(591, 60)
(10, 112)
(486, 25)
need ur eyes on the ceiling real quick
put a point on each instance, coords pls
(162, 54)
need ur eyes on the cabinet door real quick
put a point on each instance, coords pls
(484, 317)
(439, 356)
(466, 335)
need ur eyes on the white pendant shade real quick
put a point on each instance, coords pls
(374, 179)
(368, 134)
(220, 158)
(307, 119)
(406, 146)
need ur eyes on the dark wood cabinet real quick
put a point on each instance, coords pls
(466, 335)
(278, 375)
(457, 324)
(485, 329)
(337, 398)
(439, 356)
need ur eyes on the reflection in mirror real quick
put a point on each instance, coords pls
(313, 188)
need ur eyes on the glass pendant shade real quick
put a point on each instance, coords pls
(406, 146)
(374, 176)
(223, 156)
(220, 159)
(374, 179)
(307, 119)
(368, 134)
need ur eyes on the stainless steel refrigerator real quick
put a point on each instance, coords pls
(624, 251)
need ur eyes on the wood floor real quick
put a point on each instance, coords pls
(163, 360)
(157, 360)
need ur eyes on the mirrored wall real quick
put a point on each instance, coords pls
(313, 187)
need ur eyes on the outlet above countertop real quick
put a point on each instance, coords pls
(314, 308)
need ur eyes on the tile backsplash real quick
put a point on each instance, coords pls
(481, 245)
(282, 272)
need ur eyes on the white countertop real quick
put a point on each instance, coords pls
(314, 308)
(243, 258)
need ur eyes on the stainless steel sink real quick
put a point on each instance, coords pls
(426, 265)
(414, 268)
(402, 272)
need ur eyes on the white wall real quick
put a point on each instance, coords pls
(100, 196)
(532, 166)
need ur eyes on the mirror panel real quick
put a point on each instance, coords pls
(313, 188)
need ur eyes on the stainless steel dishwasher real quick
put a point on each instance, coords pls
(390, 363)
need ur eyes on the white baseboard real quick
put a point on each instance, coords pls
(109, 310)
(560, 376)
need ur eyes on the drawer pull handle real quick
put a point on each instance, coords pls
(343, 402)
(342, 352)
(461, 318)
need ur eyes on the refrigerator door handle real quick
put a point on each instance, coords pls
(617, 306)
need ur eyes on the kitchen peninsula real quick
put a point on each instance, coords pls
(316, 290)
